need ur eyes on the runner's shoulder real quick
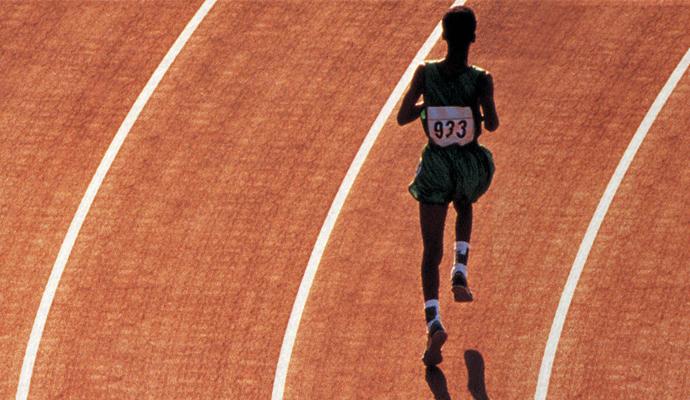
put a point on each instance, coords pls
(430, 64)
(483, 76)
(479, 71)
(418, 77)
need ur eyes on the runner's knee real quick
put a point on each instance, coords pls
(433, 254)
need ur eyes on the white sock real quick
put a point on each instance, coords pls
(461, 252)
(462, 247)
(461, 268)
(432, 312)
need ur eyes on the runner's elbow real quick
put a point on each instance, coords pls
(491, 127)
(402, 119)
(491, 124)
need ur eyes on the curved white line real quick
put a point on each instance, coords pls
(91, 191)
(334, 211)
(595, 223)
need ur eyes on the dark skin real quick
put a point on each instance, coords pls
(433, 216)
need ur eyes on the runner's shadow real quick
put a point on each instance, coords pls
(475, 375)
(437, 383)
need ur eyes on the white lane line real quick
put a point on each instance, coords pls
(91, 191)
(334, 211)
(595, 223)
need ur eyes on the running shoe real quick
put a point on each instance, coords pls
(436, 337)
(461, 292)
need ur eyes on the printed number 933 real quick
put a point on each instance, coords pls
(448, 128)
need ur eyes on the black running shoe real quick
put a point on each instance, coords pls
(461, 292)
(436, 337)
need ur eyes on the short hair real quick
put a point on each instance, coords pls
(459, 24)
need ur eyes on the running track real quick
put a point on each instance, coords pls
(184, 274)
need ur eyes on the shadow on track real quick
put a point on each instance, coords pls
(475, 378)
(475, 375)
(437, 383)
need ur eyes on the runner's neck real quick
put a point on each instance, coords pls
(455, 61)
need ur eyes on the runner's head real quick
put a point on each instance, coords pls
(459, 25)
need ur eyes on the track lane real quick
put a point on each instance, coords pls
(334, 211)
(181, 281)
(564, 128)
(69, 73)
(625, 336)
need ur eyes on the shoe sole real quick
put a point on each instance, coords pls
(462, 294)
(432, 355)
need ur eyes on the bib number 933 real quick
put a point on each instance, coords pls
(448, 128)
(450, 125)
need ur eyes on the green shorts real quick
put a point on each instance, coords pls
(452, 173)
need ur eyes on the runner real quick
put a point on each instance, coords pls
(457, 97)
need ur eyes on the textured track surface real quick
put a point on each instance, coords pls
(69, 74)
(567, 117)
(182, 279)
(626, 336)
(185, 271)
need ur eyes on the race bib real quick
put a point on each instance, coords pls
(450, 125)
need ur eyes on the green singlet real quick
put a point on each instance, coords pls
(452, 173)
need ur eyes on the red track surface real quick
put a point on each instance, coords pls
(69, 74)
(626, 335)
(182, 279)
(567, 117)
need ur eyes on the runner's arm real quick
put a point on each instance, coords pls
(486, 100)
(409, 109)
